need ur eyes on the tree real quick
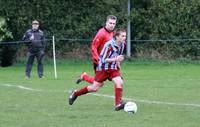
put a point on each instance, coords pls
(6, 52)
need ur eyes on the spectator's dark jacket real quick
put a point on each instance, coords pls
(37, 44)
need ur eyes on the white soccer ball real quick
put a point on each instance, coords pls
(130, 107)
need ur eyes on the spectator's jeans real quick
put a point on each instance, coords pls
(39, 55)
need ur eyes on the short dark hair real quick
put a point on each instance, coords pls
(111, 17)
(119, 31)
(35, 22)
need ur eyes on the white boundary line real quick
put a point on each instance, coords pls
(149, 102)
(110, 96)
(21, 87)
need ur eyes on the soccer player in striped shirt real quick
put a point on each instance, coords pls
(103, 35)
(110, 56)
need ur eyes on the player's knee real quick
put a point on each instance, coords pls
(93, 88)
(119, 84)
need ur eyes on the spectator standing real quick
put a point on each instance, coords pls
(36, 45)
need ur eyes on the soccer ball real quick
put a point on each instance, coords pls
(130, 107)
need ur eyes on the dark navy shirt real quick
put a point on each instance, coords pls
(37, 43)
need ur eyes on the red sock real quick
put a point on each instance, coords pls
(118, 96)
(82, 91)
(88, 78)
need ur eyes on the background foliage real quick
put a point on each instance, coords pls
(150, 19)
(167, 19)
(6, 52)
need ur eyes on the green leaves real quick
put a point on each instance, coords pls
(167, 20)
(4, 33)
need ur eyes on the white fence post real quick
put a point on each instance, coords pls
(54, 57)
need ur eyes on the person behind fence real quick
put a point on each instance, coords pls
(107, 68)
(35, 39)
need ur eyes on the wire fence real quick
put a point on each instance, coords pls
(81, 48)
(89, 40)
(167, 40)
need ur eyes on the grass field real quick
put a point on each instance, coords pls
(167, 95)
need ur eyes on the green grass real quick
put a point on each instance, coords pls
(176, 83)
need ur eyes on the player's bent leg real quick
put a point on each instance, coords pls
(95, 86)
(77, 93)
(88, 78)
(85, 77)
(92, 88)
